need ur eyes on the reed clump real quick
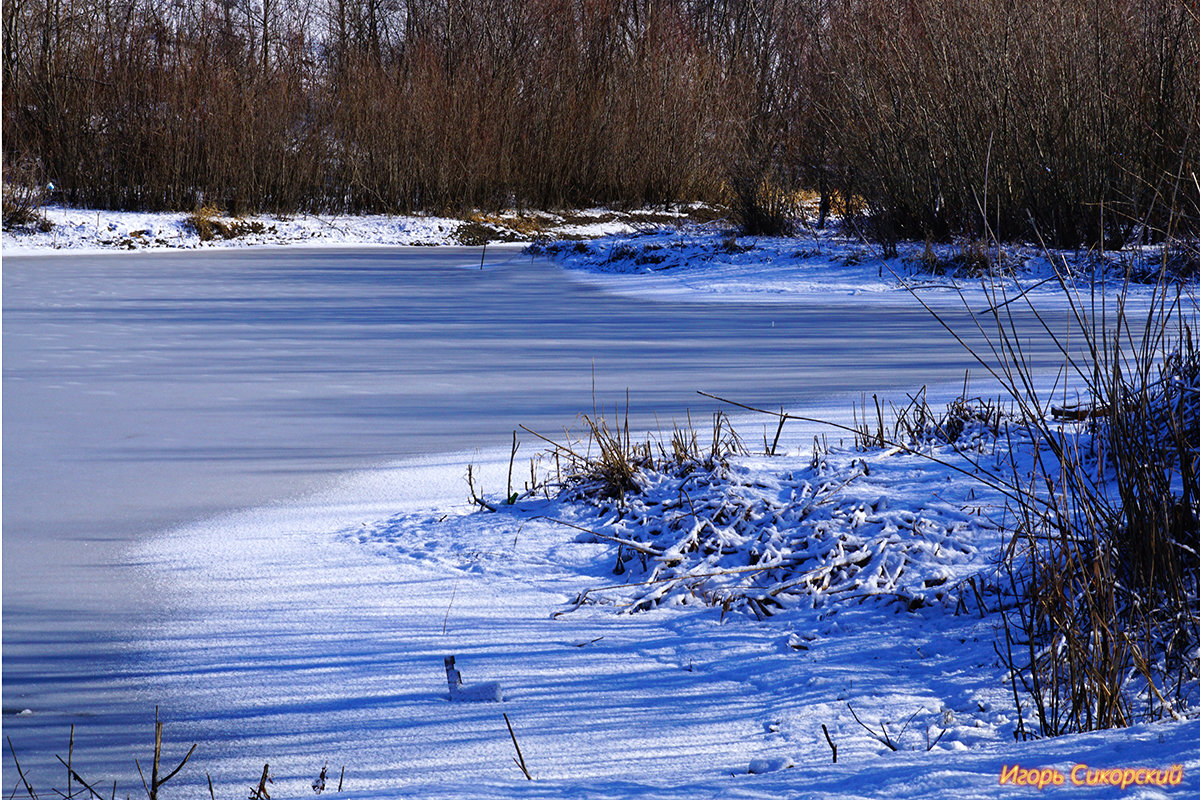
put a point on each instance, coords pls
(209, 222)
(605, 461)
(1105, 556)
(1102, 566)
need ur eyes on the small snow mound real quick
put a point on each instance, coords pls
(761, 766)
(477, 693)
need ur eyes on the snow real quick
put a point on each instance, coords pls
(85, 230)
(636, 654)
(347, 633)
(713, 264)
(91, 231)
(650, 253)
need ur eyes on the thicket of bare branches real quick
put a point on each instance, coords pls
(1079, 119)
(1076, 118)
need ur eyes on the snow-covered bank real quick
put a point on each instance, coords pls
(627, 636)
(661, 253)
(86, 230)
(315, 647)
(714, 264)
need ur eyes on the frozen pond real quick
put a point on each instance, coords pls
(148, 391)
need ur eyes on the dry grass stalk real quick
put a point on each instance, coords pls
(73, 777)
(607, 461)
(260, 792)
(1102, 562)
(520, 759)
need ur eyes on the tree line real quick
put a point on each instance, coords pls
(1073, 119)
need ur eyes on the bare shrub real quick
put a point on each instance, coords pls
(762, 208)
(970, 119)
(24, 197)
(990, 117)
(1102, 622)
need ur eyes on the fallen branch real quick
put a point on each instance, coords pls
(632, 545)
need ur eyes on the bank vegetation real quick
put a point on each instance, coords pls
(1069, 119)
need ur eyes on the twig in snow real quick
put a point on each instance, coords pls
(930, 745)
(70, 758)
(453, 677)
(632, 545)
(520, 759)
(489, 692)
(583, 596)
(260, 793)
(446, 620)
(782, 419)
(318, 785)
(906, 724)
(477, 498)
(881, 738)
(155, 782)
(511, 496)
(832, 746)
(75, 776)
(979, 603)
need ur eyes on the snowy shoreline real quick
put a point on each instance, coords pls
(684, 700)
(662, 254)
(94, 231)
(659, 253)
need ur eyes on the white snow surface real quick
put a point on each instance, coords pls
(330, 621)
(321, 625)
(712, 263)
(89, 230)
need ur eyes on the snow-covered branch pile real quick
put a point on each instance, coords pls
(762, 536)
